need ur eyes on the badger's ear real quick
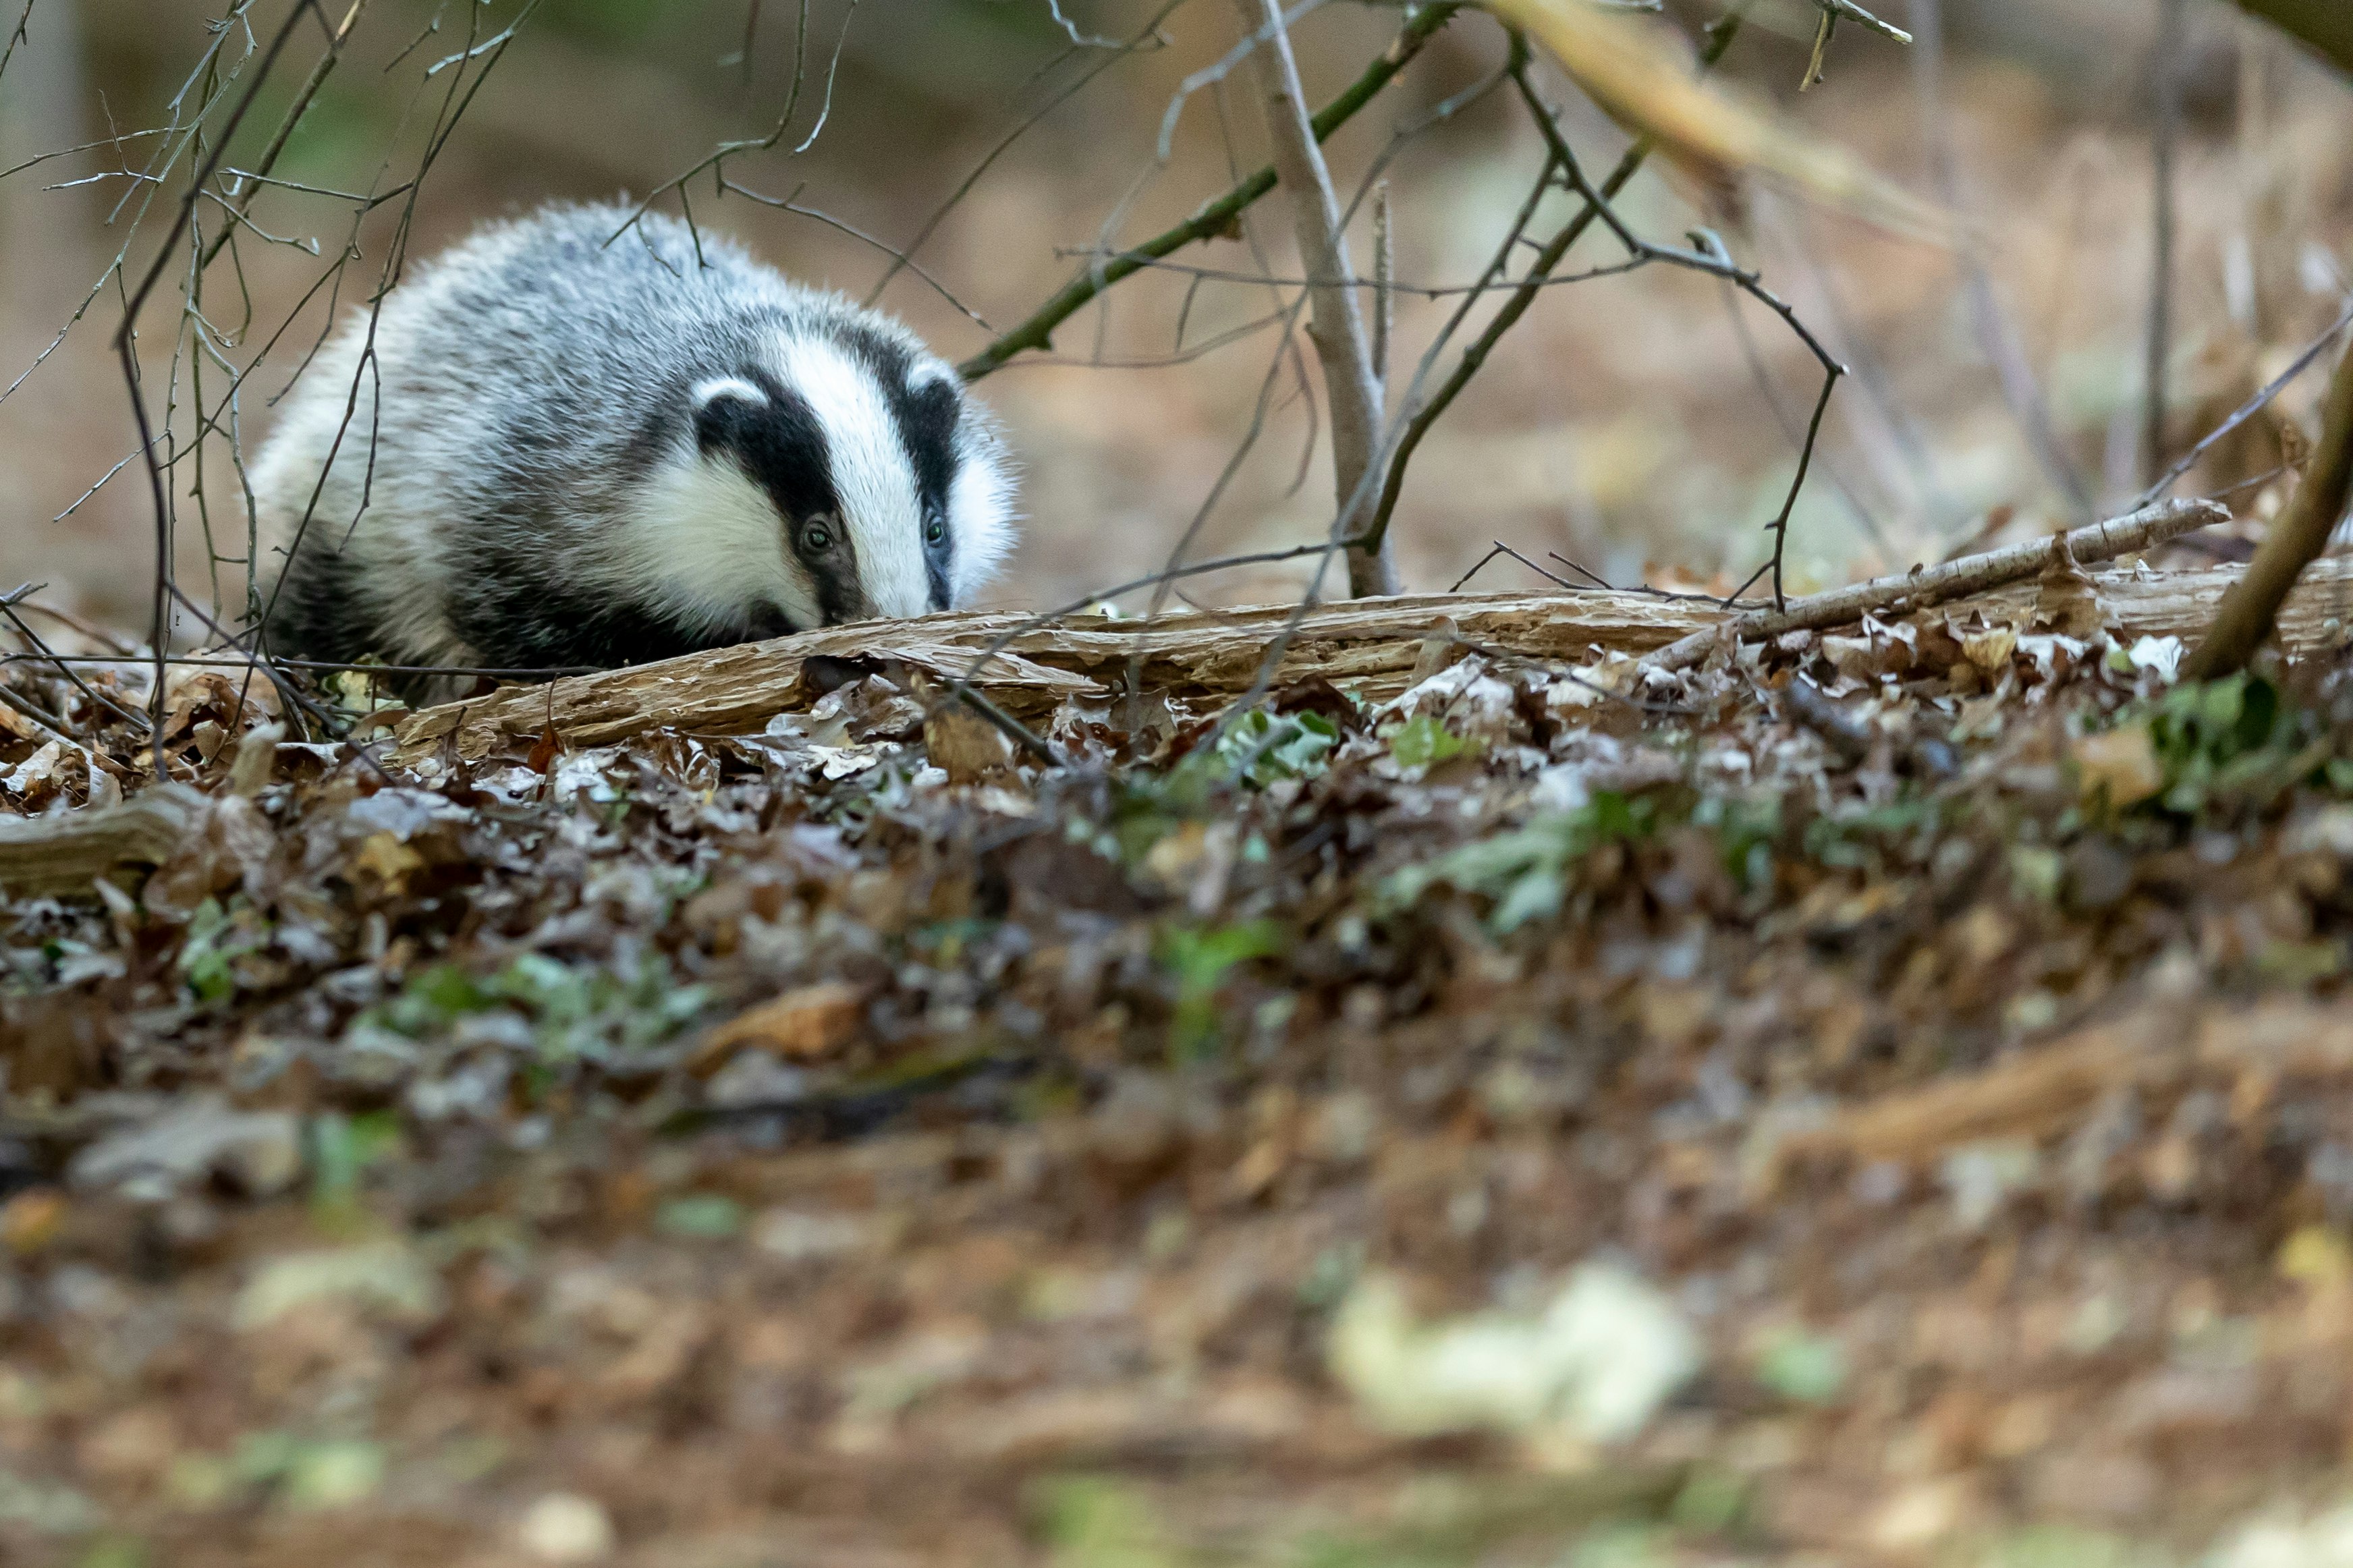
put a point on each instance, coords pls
(720, 407)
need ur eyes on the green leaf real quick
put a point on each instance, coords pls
(1526, 870)
(1199, 958)
(1262, 748)
(1424, 742)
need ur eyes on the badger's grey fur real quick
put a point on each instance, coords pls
(571, 452)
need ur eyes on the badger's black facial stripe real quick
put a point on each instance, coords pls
(780, 445)
(926, 407)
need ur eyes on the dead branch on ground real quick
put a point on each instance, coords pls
(1369, 645)
(1929, 586)
(65, 852)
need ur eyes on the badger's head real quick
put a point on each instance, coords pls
(837, 476)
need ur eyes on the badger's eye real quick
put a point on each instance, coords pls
(935, 531)
(819, 534)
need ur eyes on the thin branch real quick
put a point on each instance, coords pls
(16, 35)
(1336, 325)
(2294, 540)
(1216, 218)
(1500, 548)
(242, 200)
(1151, 29)
(1384, 282)
(1424, 415)
(1926, 585)
(44, 653)
(2253, 406)
(126, 348)
(790, 204)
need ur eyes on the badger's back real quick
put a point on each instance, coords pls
(465, 481)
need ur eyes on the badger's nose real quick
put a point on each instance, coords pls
(768, 621)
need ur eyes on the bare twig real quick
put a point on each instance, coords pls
(1500, 548)
(126, 348)
(44, 653)
(1215, 218)
(1424, 415)
(1384, 284)
(16, 34)
(240, 202)
(1336, 324)
(1150, 30)
(1713, 260)
(1926, 585)
(2253, 406)
(2297, 539)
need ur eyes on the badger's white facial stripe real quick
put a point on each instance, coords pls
(707, 544)
(707, 393)
(980, 511)
(880, 506)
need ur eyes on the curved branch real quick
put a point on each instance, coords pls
(1217, 218)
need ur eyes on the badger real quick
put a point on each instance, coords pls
(575, 440)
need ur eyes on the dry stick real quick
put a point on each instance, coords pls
(2249, 409)
(16, 35)
(1150, 29)
(2165, 143)
(1335, 324)
(1215, 219)
(1642, 252)
(1371, 647)
(240, 204)
(1384, 284)
(1719, 39)
(2295, 541)
(126, 348)
(1926, 585)
(43, 653)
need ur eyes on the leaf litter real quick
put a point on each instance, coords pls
(1877, 1093)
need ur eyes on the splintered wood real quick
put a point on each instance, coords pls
(68, 851)
(1367, 646)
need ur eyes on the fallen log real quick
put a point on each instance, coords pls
(1370, 645)
(68, 851)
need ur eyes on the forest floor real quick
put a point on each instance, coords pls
(1885, 1097)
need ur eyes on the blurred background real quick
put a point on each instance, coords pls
(1642, 427)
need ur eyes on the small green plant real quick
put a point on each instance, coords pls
(1526, 871)
(217, 937)
(1261, 748)
(573, 1009)
(2231, 738)
(1423, 741)
(343, 1151)
(1745, 831)
(1199, 958)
